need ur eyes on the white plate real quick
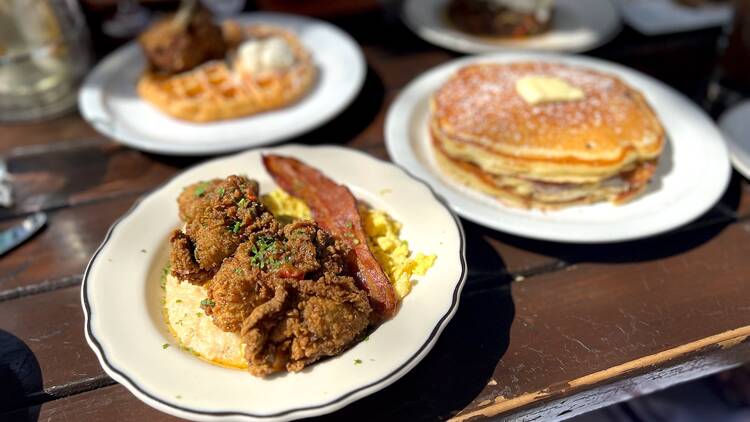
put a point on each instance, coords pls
(124, 326)
(735, 123)
(577, 25)
(108, 98)
(693, 171)
(657, 17)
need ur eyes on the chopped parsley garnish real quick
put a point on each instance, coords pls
(207, 302)
(262, 253)
(201, 189)
(349, 224)
(164, 273)
(366, 338)
(242, 203)
(178, 301)
(238, 271)
(165, 345)
(190, 350)
(357, 361)
(220, 191)
(199, 314)
(236, 227)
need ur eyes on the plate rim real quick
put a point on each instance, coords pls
(740, 159)
(337, 403)
(392, 130)
(91, 105)
(473, 47)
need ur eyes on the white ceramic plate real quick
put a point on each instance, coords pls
(577, 25)
(735, 123)
(109, 102)
(693, 171)
(124, 326)
(658, 17)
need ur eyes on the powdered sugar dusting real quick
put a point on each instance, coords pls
(480, 101)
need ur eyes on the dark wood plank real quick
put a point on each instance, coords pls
(62, 249)
(623, 383)
(117, 403)
(65, 128)
(80, 172)
(113, 403)
(47, 330)
(635, 302)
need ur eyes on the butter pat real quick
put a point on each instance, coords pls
(545, 89)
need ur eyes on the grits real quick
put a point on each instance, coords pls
(196, 331)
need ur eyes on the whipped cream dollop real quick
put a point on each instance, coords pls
(265, 55)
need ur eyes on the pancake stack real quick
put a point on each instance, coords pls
(602, 147)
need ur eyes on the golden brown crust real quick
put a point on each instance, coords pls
(480, 118)
(213, 91)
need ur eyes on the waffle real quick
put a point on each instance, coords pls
(218, 91)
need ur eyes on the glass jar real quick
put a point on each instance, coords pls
(44, 54)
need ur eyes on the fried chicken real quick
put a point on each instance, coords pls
(285, 290)
(178, 44)
(287, 294)
(248, 279)
(182, 260)
(305, 321)
(234, 292)
(218, 215)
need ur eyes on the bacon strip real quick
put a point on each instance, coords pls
(335, 209)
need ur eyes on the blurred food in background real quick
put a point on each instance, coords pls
(182, 42)
(735, 63)
(201, 71)
(320, 8)
(698, 3)
(510, 18)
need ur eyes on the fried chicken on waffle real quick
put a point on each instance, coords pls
(218, 89)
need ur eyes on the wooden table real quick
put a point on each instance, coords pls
(543, 330)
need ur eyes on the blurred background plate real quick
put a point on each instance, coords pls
(657, 17)
(577, 25)
(735, 123)
(108, 98)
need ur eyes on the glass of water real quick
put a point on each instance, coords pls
(44, 54)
